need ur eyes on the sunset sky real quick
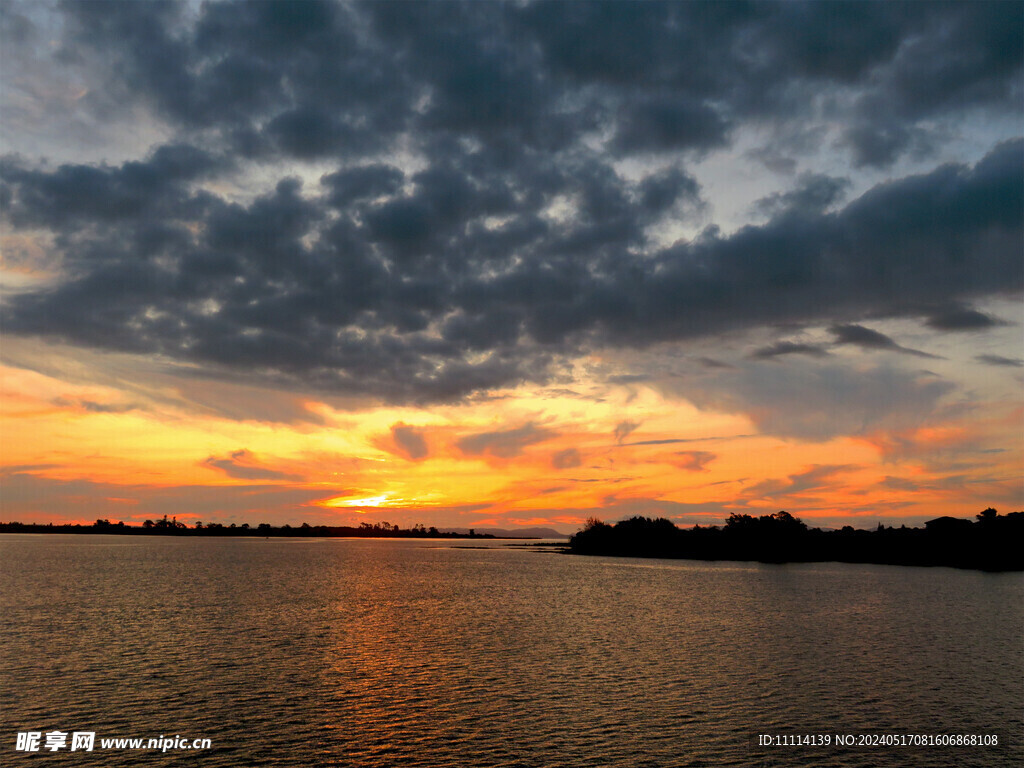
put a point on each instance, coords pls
(511, 264)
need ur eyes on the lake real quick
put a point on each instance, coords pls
(359, 652)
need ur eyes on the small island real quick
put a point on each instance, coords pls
(992, 542)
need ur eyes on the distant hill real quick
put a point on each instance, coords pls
(515, 533)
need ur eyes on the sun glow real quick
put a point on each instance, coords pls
(365, 501)
(535, 454)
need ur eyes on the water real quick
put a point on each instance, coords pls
(417, 653)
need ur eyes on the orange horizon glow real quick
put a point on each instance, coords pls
(532, 457)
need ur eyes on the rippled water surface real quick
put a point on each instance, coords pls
(418, 653)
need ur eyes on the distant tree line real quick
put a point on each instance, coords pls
(173, 527)
(992, 542)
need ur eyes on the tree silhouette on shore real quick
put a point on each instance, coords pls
(173, 527)
(995, 542)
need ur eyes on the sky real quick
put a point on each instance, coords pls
(510, 264)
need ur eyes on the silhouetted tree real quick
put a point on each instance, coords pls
(995, 542)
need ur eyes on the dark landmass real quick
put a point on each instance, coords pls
(517, 533)
(172, 527)
(993, 543)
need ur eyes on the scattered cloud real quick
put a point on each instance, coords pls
(694, 461)
(624, 429)
(503, 444)
(94, 407)
(242, 465)
(813, 194)
(812, 479)
(866, 338)
(816, 401)
(900, 484)
(788, 348)
(410, 442)
(566, 459)
(709, 362)
(961, 319)
(1010, 362)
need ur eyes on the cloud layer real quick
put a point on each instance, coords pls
(460, 197)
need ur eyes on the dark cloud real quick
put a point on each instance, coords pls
(867, 338)
(817, 477)
(734, 60)
(362, 183)
(663, 189)
(675, 440)
(308, 133)
(233, 71)
(629, 378)
(1009, 362)
(351, 303)
(709, 362)
(862, 337)
(94, 407)
(920, 80)
(133, 194)
(231, 398)
(508, 237)
(788, 348)
(818, 400)
(900, 484)
(410, 441)
(15, 27)
(241, 465)
(651, 77)
(789, 141)
(694, 461)
(503, 444)
(17, 469)
(961, 319)
(624, 429)
(813, 194)
(570, 457)
(669, 123)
